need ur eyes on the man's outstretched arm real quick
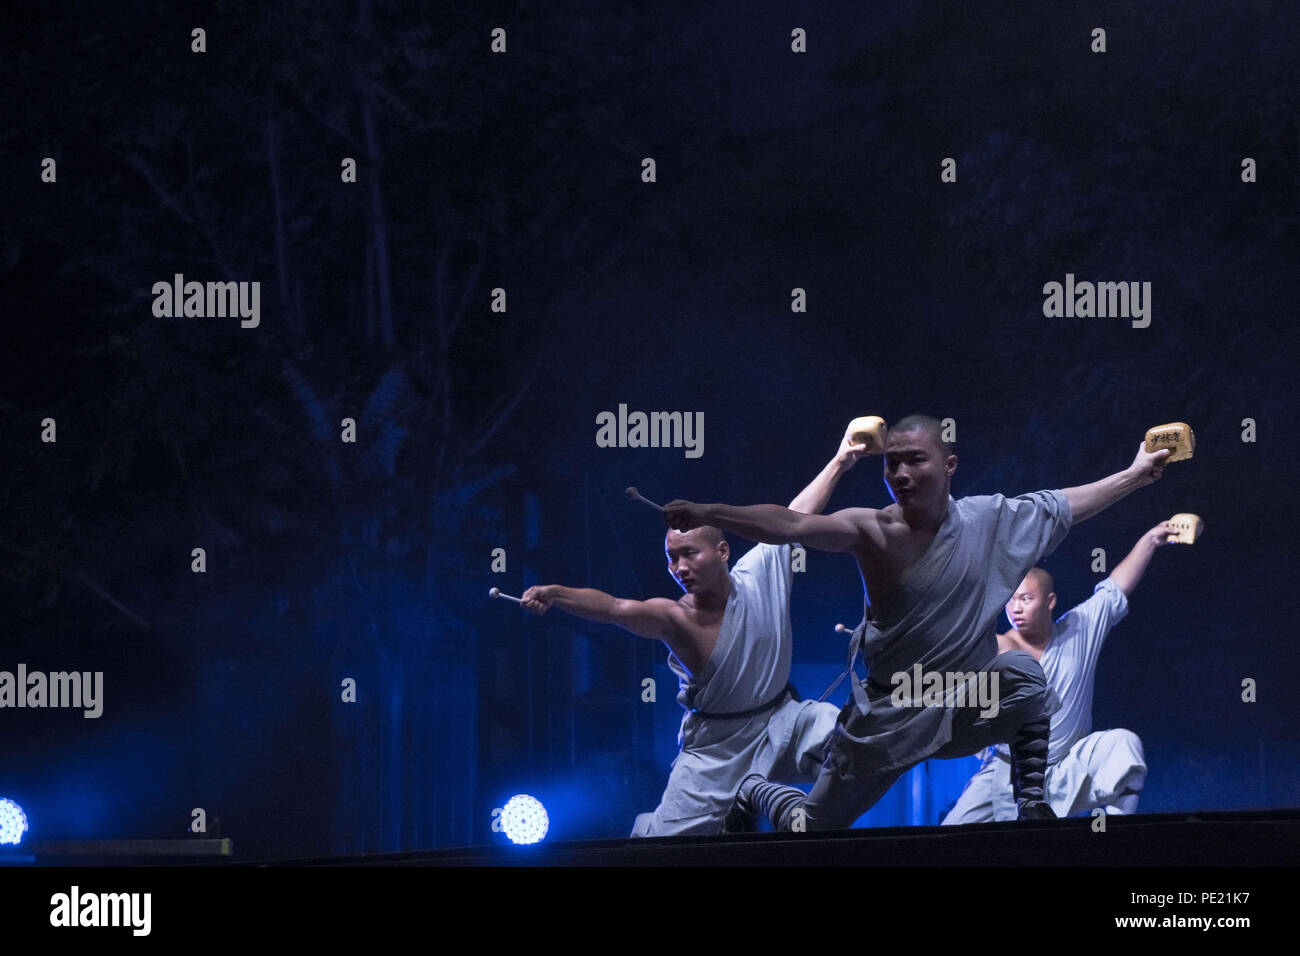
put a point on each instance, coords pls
(845, 530)
(652, 618)
(1088, 500)
(1129, 572)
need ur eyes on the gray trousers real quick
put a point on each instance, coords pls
(1105, 769)
(867, 753)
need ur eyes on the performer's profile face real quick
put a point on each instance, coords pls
(697, 559)
(916, 471)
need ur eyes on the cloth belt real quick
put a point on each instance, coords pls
(753, 711)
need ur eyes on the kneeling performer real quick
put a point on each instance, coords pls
(1084, 770)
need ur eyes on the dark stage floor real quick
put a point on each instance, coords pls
(1258, 838)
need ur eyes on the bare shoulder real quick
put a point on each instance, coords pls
(655, 604)
(667, 607)
(891, 523)
(890, 515)
(655, 618)
(666, 612)
(871, 525)
(682, 612)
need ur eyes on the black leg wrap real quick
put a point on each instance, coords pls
(741, 818)
(774, 801)
(1029, 770)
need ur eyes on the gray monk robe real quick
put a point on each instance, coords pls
(941, 616)
(1085, 770)
(739, 716)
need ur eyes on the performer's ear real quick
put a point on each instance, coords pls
(1051, 602)
(724, 549)
(950, 465)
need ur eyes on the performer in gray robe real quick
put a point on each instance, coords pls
(730, 641)
(1085, 769)
(939, 570)
(727, 732)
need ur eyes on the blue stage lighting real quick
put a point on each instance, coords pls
(524, 819)
(13, 822)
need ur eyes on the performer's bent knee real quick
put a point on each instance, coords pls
(1115, 763)
(1018, 670)
(1125, 741)
(1023, 691)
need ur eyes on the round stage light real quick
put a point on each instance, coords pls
(524, 819)
(13, 822)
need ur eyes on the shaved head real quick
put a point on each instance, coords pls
(924, 423)
(1043, 579)
(705, 532)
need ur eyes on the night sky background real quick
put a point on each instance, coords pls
(476, 429)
